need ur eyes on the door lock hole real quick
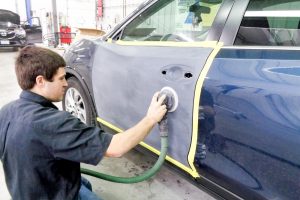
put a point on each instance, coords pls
(188, 75)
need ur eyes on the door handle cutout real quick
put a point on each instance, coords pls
(177, 73)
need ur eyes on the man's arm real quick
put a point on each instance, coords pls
(121, 143)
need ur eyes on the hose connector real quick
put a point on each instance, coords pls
(171, 102)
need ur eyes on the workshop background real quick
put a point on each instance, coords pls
(80, 17)
(92, 18)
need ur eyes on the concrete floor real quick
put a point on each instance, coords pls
(166, 185)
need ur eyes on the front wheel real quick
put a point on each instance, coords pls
(77, 103)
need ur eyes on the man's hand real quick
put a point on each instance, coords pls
(123, 142)
(156, 110)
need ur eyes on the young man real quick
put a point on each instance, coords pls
(41, 147)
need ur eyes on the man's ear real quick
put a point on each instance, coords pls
(40, 81)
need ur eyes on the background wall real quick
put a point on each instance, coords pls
(114, 11)
(17, 6)
(74, 13)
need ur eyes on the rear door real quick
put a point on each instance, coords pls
(169, 43)
(249, 144)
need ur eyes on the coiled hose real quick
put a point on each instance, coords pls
(149, 173)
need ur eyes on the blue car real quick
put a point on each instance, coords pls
(235, 66)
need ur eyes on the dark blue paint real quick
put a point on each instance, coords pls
(259, 54)
(253, 148)
(295, 71)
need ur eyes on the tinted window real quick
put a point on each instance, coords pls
(173, 20)
(274, 23)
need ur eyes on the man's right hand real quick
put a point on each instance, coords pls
(156, 110)
(123, 142)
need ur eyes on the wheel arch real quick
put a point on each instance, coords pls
(73, 73)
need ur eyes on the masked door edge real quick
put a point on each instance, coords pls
(164, 43)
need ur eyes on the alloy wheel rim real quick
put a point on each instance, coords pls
(75, 104)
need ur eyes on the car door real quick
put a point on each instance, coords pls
(250, 140)
(33, 30)
(168, 43)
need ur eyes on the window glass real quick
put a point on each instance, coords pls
(173, 20)
(273, 23)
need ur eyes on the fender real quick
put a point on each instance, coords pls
(72, 72)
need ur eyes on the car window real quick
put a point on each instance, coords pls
(173, 20)
(272, 23)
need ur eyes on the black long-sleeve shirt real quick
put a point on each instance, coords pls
(41, 149)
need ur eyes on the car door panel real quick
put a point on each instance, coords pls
(251, 149)
(113, 82)
(34, 35)
(33, 30)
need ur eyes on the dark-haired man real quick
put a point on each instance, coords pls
(41, 147)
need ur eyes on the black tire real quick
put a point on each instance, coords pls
(81, 102)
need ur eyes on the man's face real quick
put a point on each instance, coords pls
(55, 90)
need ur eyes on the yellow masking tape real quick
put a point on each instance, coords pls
(175, 162)
(197, 95)
(211, 44)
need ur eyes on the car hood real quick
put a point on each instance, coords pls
(9, 16)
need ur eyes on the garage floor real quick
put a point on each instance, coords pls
(166, 185)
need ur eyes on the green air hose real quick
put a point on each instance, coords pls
(171, 102)
(149, 173)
